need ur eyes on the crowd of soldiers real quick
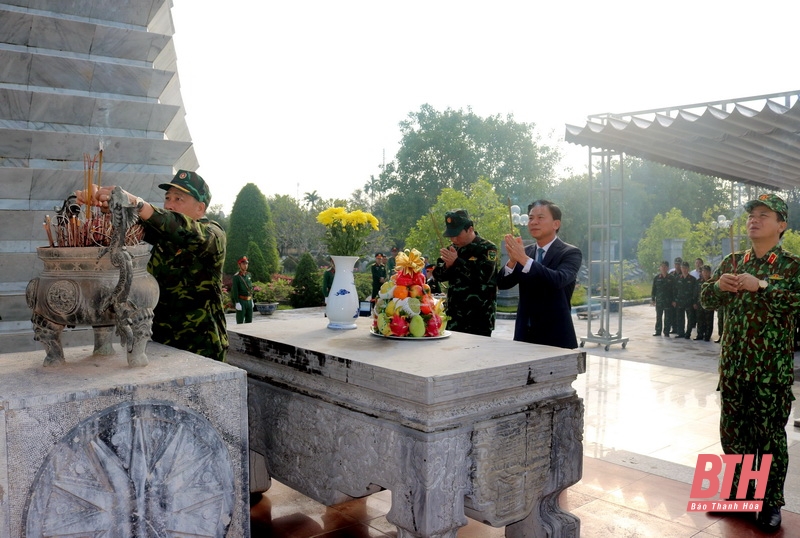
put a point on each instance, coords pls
(676, 296)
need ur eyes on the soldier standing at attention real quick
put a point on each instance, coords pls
(760, 290)
(705, 316)
(242, 292)
(378, 275)
(186, 260)
(662, 296)
(685, 300)
(469, 266)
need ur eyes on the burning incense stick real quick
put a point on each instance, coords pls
(436, 230)
(510, 217)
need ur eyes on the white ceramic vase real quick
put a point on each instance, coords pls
(343, 305)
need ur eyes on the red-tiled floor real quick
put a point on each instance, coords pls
(611, 500)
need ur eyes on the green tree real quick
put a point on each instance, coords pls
(307, 284)
(312, 199)
(485, 209)
(673, 225)
(651, 188)
(791, 241)
(216, 214)
(257, 266)
(296, 229)
(251, 221)
(453, 149)
(571, 195)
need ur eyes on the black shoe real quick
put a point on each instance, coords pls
(656, 334)
(688, 336)
(769, 520)
(698, 338)
(717, 340)
(666, 334)
(707, 339)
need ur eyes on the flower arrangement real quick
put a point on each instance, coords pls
(405, 306)
(345, 231)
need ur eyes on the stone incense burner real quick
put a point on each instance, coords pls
(103, 287)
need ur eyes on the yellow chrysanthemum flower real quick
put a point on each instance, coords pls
(346, 231)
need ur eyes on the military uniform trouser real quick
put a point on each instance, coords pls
(662, 312)
(669, 319)
(753, 420)
(245, 315)
(705, 322)
(682, 324)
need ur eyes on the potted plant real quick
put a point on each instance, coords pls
(263, 299)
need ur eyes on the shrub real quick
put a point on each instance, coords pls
(278, 290)
(307, 284)
(227, 303)
(579, 296)
(363, 285)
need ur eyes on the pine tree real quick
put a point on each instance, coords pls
(251, 221)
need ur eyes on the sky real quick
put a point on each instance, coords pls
(306, 96)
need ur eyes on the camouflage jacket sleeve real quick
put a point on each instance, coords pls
(758, 337)
(476, 265)
(711, 296)
(186, 260)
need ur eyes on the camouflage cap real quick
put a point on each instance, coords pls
(456, 221)
(191, 183)
(772, 201)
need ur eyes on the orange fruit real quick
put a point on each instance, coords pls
(401, 292)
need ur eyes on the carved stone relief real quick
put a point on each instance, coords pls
(134, 469)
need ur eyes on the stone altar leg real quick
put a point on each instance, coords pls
(49, 334)
(103, 336)
(430, 500)
(331, 454)
(135, 334)
(547, 519)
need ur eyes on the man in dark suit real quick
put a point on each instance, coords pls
(546, 273)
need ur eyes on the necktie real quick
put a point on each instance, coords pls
(539, 254)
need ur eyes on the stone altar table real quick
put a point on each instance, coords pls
(469, 425)
(93, 447)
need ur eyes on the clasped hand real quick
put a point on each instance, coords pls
(515, 250)
(737, 282)
(97, 196)
(449, 255)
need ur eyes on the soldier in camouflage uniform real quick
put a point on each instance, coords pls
(662, 296)
(186, 260)
(469, 266)
(760, 290)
